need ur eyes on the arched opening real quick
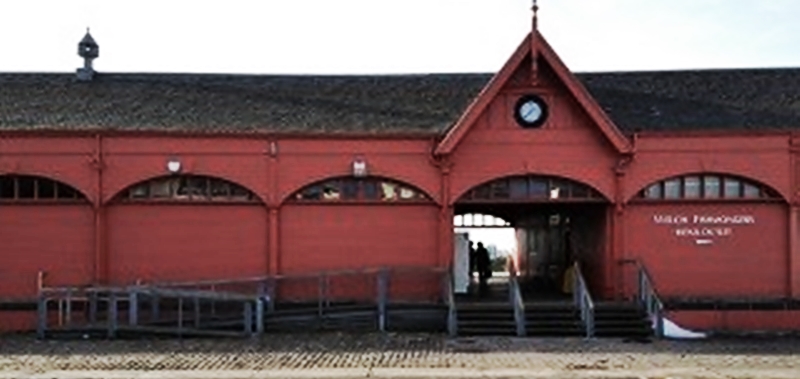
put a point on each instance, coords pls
(551, 222)
(45, 225)
(186, 228)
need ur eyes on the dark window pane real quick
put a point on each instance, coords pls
(7, 187)
(370, 190)
(26, 187)
(139, 191)
(580, 191)
(46, 188)
(711, 187)
(653, 192)
(733, 188)
(66, 192)
(311, 193)
(182, 191)
(240, 193)
(198, 187)
(219, 189)
(691, 187)
(672, 189)
(538, 188)
(161, 188)
(751, 191)
(483, 192)
(350, 189)
(500, 189)
(519, 188)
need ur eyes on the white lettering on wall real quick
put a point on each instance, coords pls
(702, 226)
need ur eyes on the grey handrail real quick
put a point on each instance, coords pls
(515, 297)
(450, 301)
(583, 300)
(648, 299)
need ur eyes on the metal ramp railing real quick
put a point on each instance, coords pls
(111, 311)
(583, 300)
(244, 306)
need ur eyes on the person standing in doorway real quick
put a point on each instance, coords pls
(483, 266)
(473, 260)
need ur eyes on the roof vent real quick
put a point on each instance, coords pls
(88, 50)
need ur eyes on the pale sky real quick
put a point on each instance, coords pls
(400, 36)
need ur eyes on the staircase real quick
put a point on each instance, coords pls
(485, 319)
(622, 320)
(553, 319)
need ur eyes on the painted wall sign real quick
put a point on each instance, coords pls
(703, 227)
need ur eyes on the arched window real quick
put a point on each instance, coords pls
(350, 189)
(706, 187)
(23, 188)
(188, 188)
(531, 188)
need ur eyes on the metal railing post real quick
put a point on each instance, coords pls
(113, 317)
(133, 308)
(180, 317)
(248, 318)
(259, 316)
(41, 310)
(383, 281)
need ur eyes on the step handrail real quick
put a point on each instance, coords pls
(649, 300)
(515, 296)
(450, 301)
(583, 300)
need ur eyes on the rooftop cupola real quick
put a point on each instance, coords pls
(88, 50)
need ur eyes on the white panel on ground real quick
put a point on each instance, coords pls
(672, 330)
(461, 263)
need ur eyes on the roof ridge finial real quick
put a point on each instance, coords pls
(534, 37)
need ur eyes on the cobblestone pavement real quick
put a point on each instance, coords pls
(398, 355)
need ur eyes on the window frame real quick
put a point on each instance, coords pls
(719, 181)
(178, 183)
(37, 182)
(568, 191)
(368, 190)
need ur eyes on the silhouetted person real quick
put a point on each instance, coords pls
(473, 260)
(483, 266)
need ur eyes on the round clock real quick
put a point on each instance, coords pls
(530, 111)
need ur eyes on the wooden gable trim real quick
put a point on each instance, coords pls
(491, 90)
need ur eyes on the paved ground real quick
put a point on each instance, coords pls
(398, 355)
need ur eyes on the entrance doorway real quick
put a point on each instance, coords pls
(554, 223)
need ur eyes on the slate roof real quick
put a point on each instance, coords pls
(752, 99)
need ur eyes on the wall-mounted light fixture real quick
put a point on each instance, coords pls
(273, 148)
(359, 168)
(174, 166)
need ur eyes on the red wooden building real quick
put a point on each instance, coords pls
(114, 178)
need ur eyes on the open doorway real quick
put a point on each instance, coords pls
(551, 224)
(486, 248)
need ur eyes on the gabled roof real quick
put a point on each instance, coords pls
(534, 42)
(726, 100)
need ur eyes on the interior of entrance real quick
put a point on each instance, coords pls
(549, 238)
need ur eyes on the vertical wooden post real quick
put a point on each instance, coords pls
(68, 310)
(93, 307)
(259, 316)
(248, 318)
(154, 307)
(383, 281)
(41, 322)
(180, 317)
(113, 318)
(133, 308)
(445, 253)
(197, 312)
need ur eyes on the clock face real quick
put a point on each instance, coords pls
(531, 111)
